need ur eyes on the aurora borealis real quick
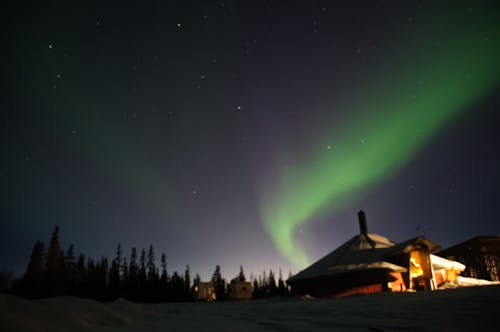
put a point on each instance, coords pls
(397, 118)
(250, 133)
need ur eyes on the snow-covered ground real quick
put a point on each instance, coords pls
(462, 309)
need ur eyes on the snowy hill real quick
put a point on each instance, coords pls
(448, 310)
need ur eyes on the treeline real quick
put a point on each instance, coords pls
(55, 272)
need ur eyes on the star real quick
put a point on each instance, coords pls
(50, 46)
(238, 108)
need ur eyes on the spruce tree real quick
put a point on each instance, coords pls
(81, 275)
(142, 272)
(133, 280)
(55, 265)
(187, 283)
(272, 288)
(176, 287)
(70, 269)
(241, 275)
(196, 280)
(54, 253)
(115, 282)
(35, 266)
(164, 275)
(256, 290)
(282, 291)
(151, 264)
(219, 284)
(34, 275)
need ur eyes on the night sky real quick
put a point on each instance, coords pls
(247, 132)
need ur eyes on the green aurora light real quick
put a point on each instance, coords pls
(446, 74)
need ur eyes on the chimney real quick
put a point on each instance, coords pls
(362, 223)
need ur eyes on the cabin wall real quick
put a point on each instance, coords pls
(368, 289)
(481, 257)
(443, 275)
(241, 290)
(362, 282)
(204, 291)
(420, 270)
(396, 284)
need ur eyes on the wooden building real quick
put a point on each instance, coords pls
(481, 255)
(239, 290)
(370, 263)
(204, 291)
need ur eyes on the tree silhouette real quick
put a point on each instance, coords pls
(34, 276)
(54, 254)
(219, 284)
(142, 270)
(114, 273)
(59, 273)
(176, 288)
(151, 264)
(271, 284)
(132, 286)
(282, 289)
(187, 283)
(164, 275)
(241, 275)
(256, 290)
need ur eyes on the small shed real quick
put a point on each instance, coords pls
(239, 290)
(204, 291)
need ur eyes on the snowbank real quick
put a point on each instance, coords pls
(448, 310)
(466, 282)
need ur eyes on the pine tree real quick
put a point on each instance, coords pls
(164, 275)
(35, 266)
(91, 282)
(256, 290)
(241, 275)
(133, 269)
(176, 287)
(70, 269)
(115, 273)
(70, 258)
(282, 290)
(81, 275)
(197, 279)
(187, 283)
(54, 253)
(34, 275)
(142, 272)
(219, 284)
(125, 271)
(151, 264)
(55, 266)
(101, 277)
(273, 289)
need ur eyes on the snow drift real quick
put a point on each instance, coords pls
(447, 310)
